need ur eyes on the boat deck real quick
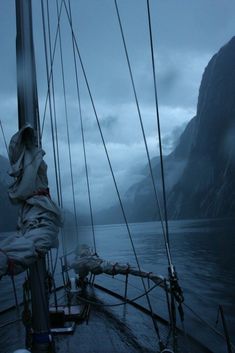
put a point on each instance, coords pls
(107, 329)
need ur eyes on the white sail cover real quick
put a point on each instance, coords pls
(39, 218)
(86, 262)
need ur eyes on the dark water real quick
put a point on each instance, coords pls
(202, 251)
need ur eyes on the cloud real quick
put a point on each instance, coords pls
(124, 144)
(185, 38)
(127, 155)
(179, 76)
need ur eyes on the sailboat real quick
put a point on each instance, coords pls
(87, 301)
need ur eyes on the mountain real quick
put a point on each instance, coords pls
(207, 185)
(139, 199)
(200, 172)
(8, 212)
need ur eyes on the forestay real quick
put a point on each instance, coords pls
(39, 217)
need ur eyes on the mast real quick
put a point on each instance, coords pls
(28, 114)
(26, 69)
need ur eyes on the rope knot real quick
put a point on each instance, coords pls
(11, 266)
(42, 192)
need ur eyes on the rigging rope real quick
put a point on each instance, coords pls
(50, 105)
(4, 138)
(176, 292)
(51, 69)
(83, 137)
(125, 301)
(206, 323)
(9, 323)
(60, 194)
(166, 234)
(111, 170)
(58, 187)
(139, 115)
(67, 124)
(172, 274)
(54, 108)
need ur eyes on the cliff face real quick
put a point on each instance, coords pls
(140, 201)
(200, 172)
(207, 185)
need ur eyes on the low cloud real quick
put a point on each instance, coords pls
(124, 141)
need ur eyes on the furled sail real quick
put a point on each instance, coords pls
(39, 218)
(86, 262)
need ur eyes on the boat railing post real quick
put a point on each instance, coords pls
(126, 280)
(229, 346)
(90, 278)
(62, 271)
(93, 280)
(15, 294)
(168, 301)
(126, 286)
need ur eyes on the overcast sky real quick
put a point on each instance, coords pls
(186, 35)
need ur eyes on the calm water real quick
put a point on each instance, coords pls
(202, 251)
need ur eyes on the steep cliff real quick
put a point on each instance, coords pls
(200, 172)
(207, 185)
(139, 199)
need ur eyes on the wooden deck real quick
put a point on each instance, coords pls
(107, 329)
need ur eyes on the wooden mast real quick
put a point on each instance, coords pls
(26, 70)
(28, 114)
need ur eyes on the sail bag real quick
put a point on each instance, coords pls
(39, 217)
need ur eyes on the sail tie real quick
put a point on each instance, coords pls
(11, 266)
(10, 263)
(42, 192)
